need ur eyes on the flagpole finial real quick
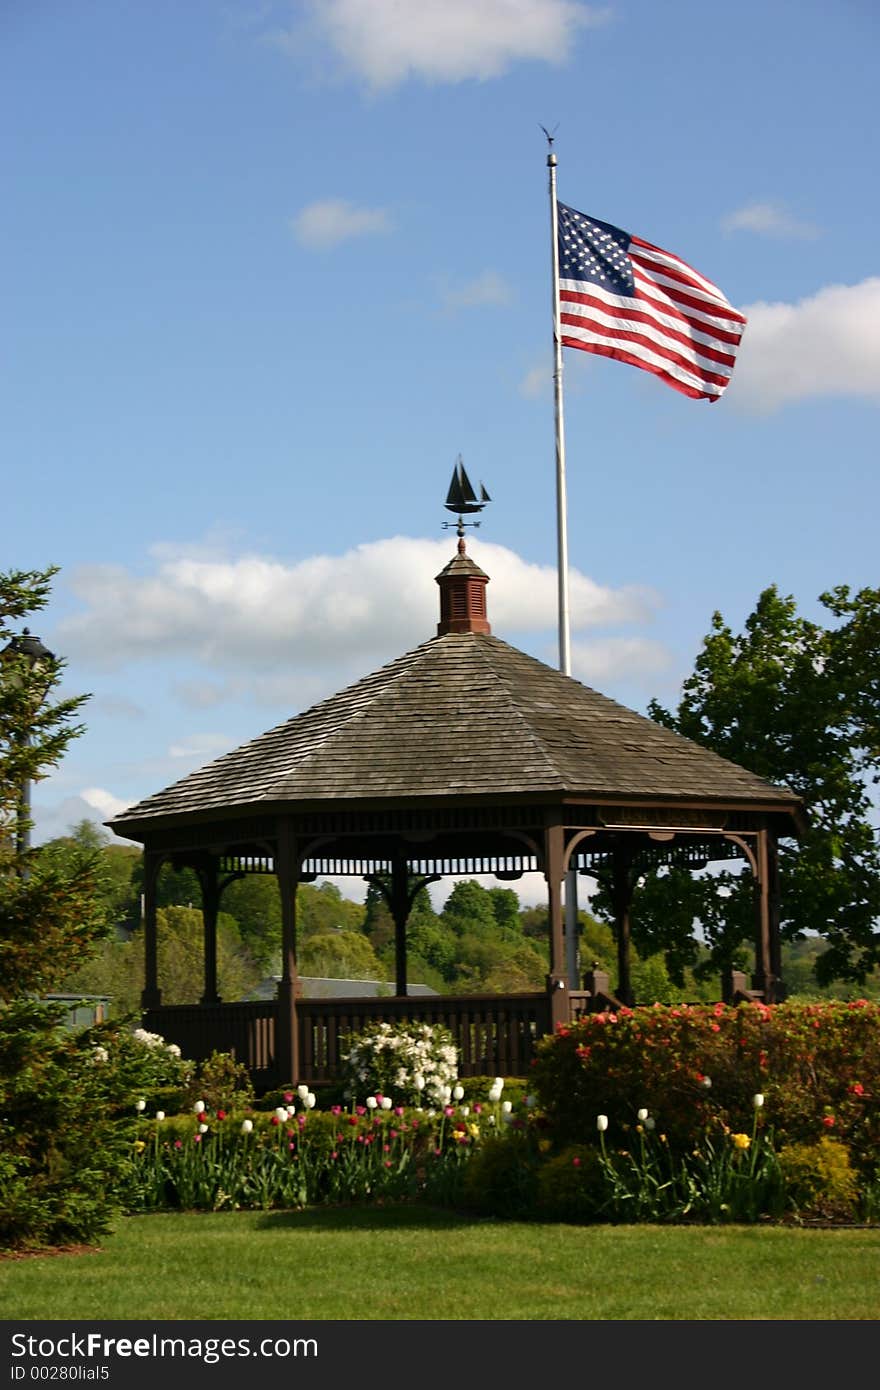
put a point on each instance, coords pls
(551, 157)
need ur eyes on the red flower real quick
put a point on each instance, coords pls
(352, 1119)
(221, 1114)
(856, 1089)
(828, 1121)
(275, 1120)
(575, 1162)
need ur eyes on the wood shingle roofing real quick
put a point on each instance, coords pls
(464, 714)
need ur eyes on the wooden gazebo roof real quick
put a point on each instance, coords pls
(463, 715)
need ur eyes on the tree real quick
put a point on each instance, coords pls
(797, 703)
(59, 1182)
(340, 955)
(51, 913)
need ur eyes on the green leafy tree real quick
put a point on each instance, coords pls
(797, 703)
(340, 955)
(59, 1181)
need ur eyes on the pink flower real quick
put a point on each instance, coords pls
(448, 1110)
(575, 1162)
(334, 1154)
(288, 1097)
(478, 1109)
(197, 1139)
(178, 1143)
(388, 1163)
(360, 1110)
(398, 1109)
(335, 1109)
(386, 1148)
(291, 1146)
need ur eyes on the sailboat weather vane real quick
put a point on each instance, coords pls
(462, 498)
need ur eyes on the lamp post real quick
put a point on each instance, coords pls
(29, 649)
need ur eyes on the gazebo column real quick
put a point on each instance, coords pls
(768, 962)
(622, 895)
(554, 853)
(399, 903)
(151, 995)
(286, 1022)
(210, 885)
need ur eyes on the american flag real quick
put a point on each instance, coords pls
(624, 298)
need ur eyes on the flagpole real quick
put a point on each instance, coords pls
(571, 908)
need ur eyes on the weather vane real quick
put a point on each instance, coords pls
(462, 499)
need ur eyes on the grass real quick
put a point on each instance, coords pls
(401, 1263)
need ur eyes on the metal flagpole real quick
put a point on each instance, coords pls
(571, 908)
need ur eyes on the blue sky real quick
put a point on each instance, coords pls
(268, 268)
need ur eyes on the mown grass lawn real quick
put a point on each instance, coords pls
(400, 1263)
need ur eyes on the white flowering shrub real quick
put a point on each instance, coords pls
(134, 1064)
(413, 1063)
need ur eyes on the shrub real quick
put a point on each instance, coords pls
(572, 1185)
(695, 1066)
(221, 1082)
(66, 1156)
(501, 1178)
(819, 1180)
(407, 1061)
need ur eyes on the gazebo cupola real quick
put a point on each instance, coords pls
(462, 595)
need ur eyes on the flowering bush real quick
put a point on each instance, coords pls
(699, 1066)
(132, 1065)
(410, 1061)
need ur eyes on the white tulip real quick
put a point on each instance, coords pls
(387, 1102)
(371, 1102)
(281, 1114)
(302, 1092)
(140, 1105)
(601, 1123)
(203, 1129)
(506, 1107)
(458, 1092)
(311, 1100)
(160, 1114)
(758, 1101)
(642, 1115)
(465, 1110)
(199, 1107)
(499, 1082)
(247, 1126)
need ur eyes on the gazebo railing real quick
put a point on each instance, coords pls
(495, 1034)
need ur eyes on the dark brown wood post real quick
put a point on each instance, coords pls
(286, 1022)
(399, 903)
(764, 978)
(151, 994)
(209, 880)
(557, 979)
(622, 892)
(775, 910)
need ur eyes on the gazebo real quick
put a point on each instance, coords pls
(463, 756)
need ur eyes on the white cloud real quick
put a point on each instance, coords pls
(386, 42)
(326, 223)
(489, 288)
(769, 219)
(618, 658)
(827, 345)
(276, 629)
(105, 802)
(201, 747)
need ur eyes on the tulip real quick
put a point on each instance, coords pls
(419, 1081)
(310, 1100)
(199, 1107)
(281, 1114)
(247, 1126)
(465, 1110)
(302, 1092)
(386, 1102)
(140, 1105)
(506, 1107)
(706, 1082)
(642, 1115)
(601, 1123)
(160, 1114)
(758, 1101)
(203, 1129)
(371, 1102)
(458, 1092)
(499, 1082)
